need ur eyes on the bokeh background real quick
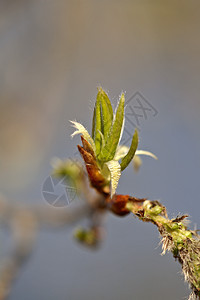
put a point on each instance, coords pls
(53, 55)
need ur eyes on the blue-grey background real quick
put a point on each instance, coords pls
(53, 55)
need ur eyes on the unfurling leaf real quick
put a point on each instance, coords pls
(115, 172)
(122, 150)
(93, 123)
(97, 125)
(106, 113)
(108, 152)
(102, 152)
(129, 156)
(137, 161)
(80, 129)
(102, 139)
(147, 153)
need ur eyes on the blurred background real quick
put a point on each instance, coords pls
(53, 55)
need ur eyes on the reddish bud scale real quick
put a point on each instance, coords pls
(87, 147)
(117, 204)
(88, 158)
(96, 178)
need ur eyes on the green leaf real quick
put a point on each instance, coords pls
(97, 124)
(115, 173)
(93, 123)
(108, 151)
(102, 139)
(129, 156)
(106, 113)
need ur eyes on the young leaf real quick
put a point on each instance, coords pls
(93, 123)
(80, 129)
(102, 139)
(97, 124)
(122, 150)
(115, 172)
(129, 156)
(108, 152)
(147, 153)
(107, 113)
(137, 161)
